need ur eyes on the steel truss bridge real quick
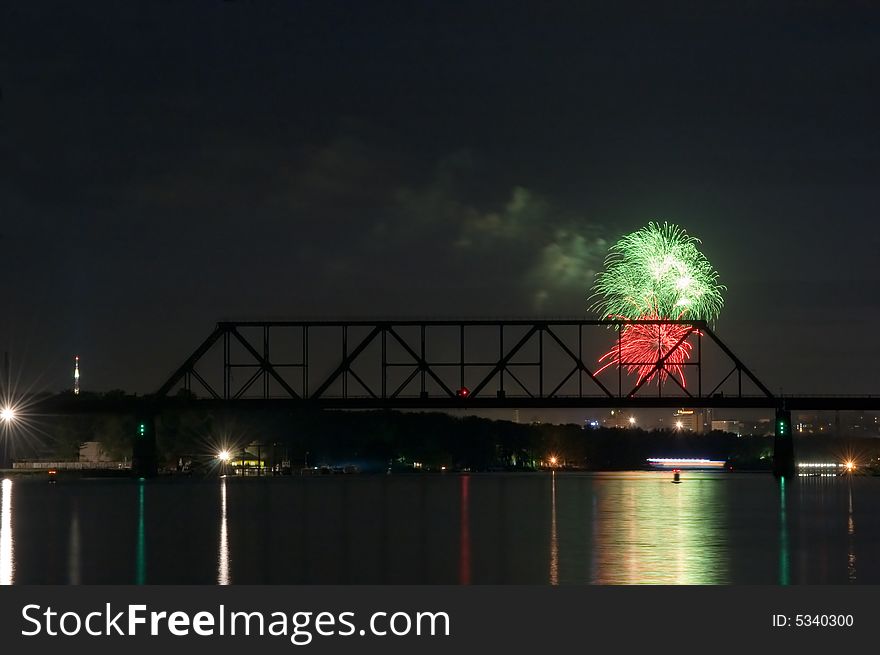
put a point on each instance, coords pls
(456, 364)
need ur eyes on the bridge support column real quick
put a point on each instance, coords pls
(144, 456)
(783, 445)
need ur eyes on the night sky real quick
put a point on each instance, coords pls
(167, 164)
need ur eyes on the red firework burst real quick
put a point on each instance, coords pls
(643, 345)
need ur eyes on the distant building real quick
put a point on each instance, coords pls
(618, 418)
(860, 424)
(92, 452)
(728, 426)
(688, 419)
(248, 463)
(806, 423)
(761, 428)
(708, 417)
(814, 423)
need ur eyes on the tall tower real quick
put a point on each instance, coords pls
(76, 375)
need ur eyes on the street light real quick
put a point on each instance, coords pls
(632, 420)
(224, 456)
(7, 421)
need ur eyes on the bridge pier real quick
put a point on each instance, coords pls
(144, 456)
(783, 445)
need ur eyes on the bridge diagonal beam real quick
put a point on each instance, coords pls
(661, 362)
(250, 382)
(501, 365)
(422, 363)
(345, 365)
(366, 387)
(510, 372)
(264, 364)
(579, 362)
(740, 366)
(672, 377)
(561, 384)
(189, 365)
(204, 383)
(723, 380)
(403, 384)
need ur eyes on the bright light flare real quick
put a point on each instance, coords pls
(21, 424)
(850, 466)
(679, 425)
(224, 456)
(553, 460)
(632, 420)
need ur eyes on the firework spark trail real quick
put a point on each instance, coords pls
(658, 270)
(643, 345)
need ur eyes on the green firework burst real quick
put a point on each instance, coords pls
(658, 270)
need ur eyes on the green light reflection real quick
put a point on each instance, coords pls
(554, 536)
(650, 531)
(784, 564)
(141, 554)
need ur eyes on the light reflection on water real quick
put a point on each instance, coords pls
(557, 528)
(851, 531)
(7, 552)
(141, 552)
(223, 556)
(464, 550)
(656, 532)
(554, 537)
(74, 563)
(784, 551)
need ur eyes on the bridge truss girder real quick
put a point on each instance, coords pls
(365, 358)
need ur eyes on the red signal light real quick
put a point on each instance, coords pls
(464, 392)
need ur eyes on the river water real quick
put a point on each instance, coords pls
(542, 528)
